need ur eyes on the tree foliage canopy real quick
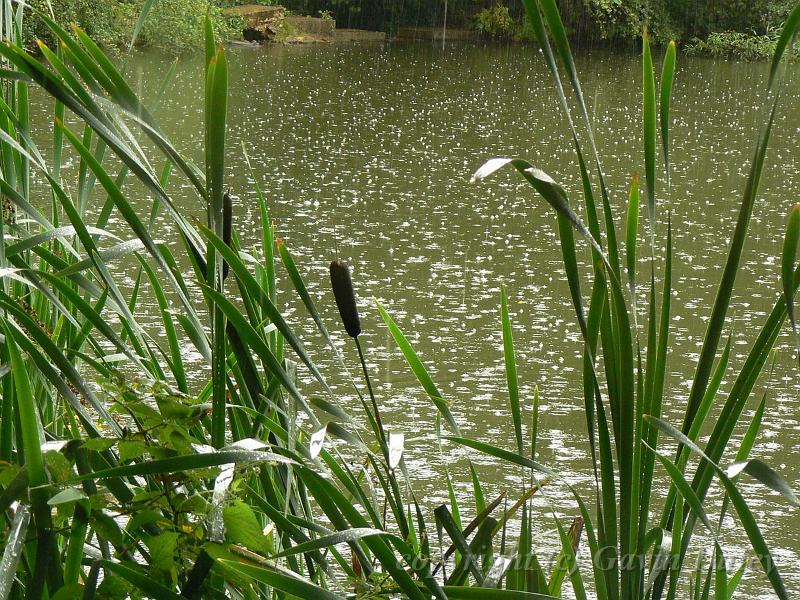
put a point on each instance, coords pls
(176, 25)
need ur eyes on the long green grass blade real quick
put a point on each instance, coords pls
(649, 125)
(788, 33)
(281, 580)
(473, 593)
(47, 567)
(511, 369)
(631, 230)
(251, 337)
(343, 515)
(215, 122)
(419, 370)
(788, 260)
(31, 432)
(722, 301)
(145, 10)
(667, 83)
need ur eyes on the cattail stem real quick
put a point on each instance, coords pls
(372, 397)
(345, 296)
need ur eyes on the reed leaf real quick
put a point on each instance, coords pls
(145, 10)
(787, 34)
(255, 341)
(473, 593)
(250, 287)
(665, 98)
(343, 515)
(649, 126)
(511, 369)
(788, 260)
(746, 517)
(281, 580)
(419, 370)
(631, 230)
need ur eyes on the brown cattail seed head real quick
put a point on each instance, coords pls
(345, 297)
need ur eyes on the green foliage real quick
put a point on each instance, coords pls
(109, 22)
(748, 16)
(172, 26)
(590, 21)
(744, 46)
(231, 3)
(177, 26)
(496, 22)
(587, 21)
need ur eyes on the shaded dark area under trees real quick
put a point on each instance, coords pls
(742, 28)
(589, 21)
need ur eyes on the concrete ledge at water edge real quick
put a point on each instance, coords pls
(271, 24)
(436, 34)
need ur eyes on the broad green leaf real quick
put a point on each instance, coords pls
(132, 574)
(242, 527)
(66, 496)
(162, 550)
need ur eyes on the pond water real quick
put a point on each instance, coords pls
(367, 151)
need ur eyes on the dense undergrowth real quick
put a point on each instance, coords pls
(118, 479)
(170, 26)
(741, 46)
(730, 28)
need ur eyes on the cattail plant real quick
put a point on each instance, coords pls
(345, 296)
(343, 292)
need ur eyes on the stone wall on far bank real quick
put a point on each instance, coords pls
(437, 34)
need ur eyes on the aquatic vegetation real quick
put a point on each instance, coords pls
(738, 45)
(496, 21)
(118, 479)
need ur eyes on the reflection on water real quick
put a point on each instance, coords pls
(367, 151)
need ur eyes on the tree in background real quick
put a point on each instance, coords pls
(175, 26)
